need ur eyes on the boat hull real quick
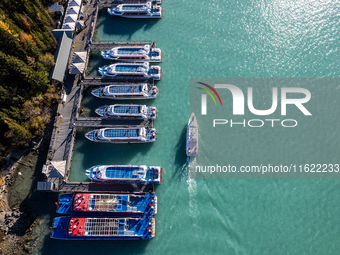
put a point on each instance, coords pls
(192, 137)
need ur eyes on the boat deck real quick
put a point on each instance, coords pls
(123, 172)
(131, 51)
(126, 89)
(129, 69)
(130, 7)
(127, 132)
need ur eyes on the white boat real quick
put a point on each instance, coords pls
(132, 69)
(192, 137)
(122, 135)
(121, 92)
(128, 111)
(133, 54)
(137, 11)
(125, 173)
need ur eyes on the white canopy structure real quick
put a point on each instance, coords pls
(69, 26)
(56, 169)
(77, 68)
(79, 57)
(74, 3)
(70, 18)
(78, 62)
(72, 10)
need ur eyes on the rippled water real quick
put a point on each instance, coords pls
(234, 39)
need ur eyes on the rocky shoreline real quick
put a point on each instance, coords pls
(16, 224)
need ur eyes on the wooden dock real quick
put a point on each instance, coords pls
(114, 3)
(105, 187)
(105, 81)
(96, 122)
(109, 45)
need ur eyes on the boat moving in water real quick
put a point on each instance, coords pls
(192, 137)
(122, 135)
(103, 228)
(125, 173)
(107, 204)
(147, 10)
(133, 54)
(127, 111)
(121, 92)
(132, 69)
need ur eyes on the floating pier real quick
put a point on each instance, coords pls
(109, 45)
(57, 167)
(107, 187)
(107, 122)
(105, 81)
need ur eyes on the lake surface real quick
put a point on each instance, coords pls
(219, 39)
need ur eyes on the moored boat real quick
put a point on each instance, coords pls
(146, 10)
(132, 69)
(107, 204)
(125, 173)
(192, 137)
(133, 54)
(122, 135)
(103, 228)
(121, 92)
(127, 111)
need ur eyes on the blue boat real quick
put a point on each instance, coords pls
(103, 228)
(107, 204)
(122, 135)
(125, 173)
(122, 92)
(127, 111)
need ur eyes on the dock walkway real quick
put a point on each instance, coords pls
(107, 187)
(96, 122)
(104, 81)
(62, 142)
(109, 45)
(114, 3)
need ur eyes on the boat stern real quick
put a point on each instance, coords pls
(154, 174)
(150, 135)
(147, 229)
(155, 72)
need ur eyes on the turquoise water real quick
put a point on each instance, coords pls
(234, 39)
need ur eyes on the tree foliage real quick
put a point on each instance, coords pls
(26, 94)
